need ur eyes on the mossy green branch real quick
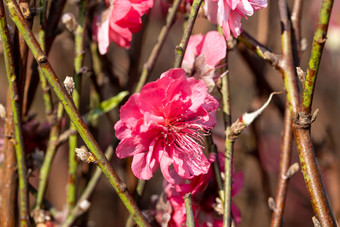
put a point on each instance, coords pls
(73, 113)
(319, 40)
(180, 49)
(18, 138)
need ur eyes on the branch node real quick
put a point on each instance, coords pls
(322, 40)
(271, 204)
(122, 187)
(302, 121)
(2, 111)
(40, 216)
(314, 115)
(84, 155)
(316, 222)
(41, 59)
(304, 44)
(179, 48)
(268, 56)
(293, 169)
(301, 74)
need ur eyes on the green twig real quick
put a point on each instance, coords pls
(190, 221)
(44, 85)
(262, 51)
(217, 171)
(54, 122)
(79, 209)
(78, 63)
(319, 40)
(19, 142)
(228, 151)
(180, 49)
(73, 113)
(50, 151)
(138, 195)
(149, 64)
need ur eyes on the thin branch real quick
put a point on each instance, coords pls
(262, 51)
(79, 37)
(301, 125)
(73, 113)
(296, 23)
(32, 78)
(225, 91)
(180, 49)
(44, 85)
(285, 157)
(19, 141)
(9, 188)
(50, 151)
(150, 63)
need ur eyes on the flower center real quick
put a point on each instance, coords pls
(185, 136)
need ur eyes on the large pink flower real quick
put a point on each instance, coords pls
(163, 125)
(118, 22)
(228, 13)
(203, 53)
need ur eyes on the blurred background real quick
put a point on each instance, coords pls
(257, 150)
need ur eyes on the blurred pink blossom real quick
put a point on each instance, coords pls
(203, 53)
(165, 124)
(203, 193)
(118, 22)
(228, 13)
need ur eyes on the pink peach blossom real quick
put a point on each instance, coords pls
(164, 125)
(203, 53)
(118, 22)
(212, 46)
(228, 13)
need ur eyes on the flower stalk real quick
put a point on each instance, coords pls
(180, 49)
(73, 113)
(19, 141)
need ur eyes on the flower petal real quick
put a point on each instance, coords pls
(214, 48)
(145, 164)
